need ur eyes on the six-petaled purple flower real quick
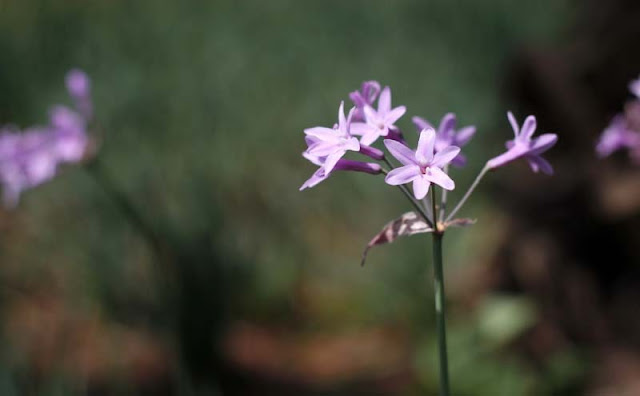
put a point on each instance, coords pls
(421, 167)
(447, 135)
(524, 146)
(378, 122)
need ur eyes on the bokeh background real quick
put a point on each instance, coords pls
(183, 260)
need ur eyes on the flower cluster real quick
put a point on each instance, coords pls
(31, 157)
(368, 121)
(623, 132)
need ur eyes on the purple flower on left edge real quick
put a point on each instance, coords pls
(378, 122)
(331, 144)
(31, 157)
(423, 166)
(447, 135)
(524, 146)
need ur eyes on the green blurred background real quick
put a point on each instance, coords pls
(223, 278)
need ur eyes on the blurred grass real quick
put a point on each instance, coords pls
(203, 104)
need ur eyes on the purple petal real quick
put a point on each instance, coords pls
(634, 87)
(514, 123)
(319, 161)
(319, 176)
(424, 153)
(447, 125)
(384, 102)
(437, 176)
(543, 143)
(538, 163)
(464, 135)
(342, 122)
(445, 156)
(325, 134)
(370, 90)
(370, 136)
(322, 149)
(421, 123)
(78, 84)
(528, 128)
(511, 155)
(395, 114)
(402, 153)
(372, 152)
(359, 128)
(420, 187)
(358, 166)
(332, 160)
(402, 175)
(459, 161)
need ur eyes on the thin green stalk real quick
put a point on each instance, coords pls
(443, 198)
(468, 193)
(438, 278)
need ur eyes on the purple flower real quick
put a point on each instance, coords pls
(79, 87)
(448, 136)
(378, 122)
(524, 146)
(634, 87)
(331, 144)
(70, 134)
(421, 167)
(365, 97)
(616, 136)
(342, 165)
(26, 160)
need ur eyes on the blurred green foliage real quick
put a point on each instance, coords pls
(202, 106)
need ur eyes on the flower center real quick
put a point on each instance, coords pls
(425, 170)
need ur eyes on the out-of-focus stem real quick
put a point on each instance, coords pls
(441, 326)
(468, 193)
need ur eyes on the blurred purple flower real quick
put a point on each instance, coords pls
(421, 167)
(26, 160)
(332, 143)
(524, 146)
(617, 136)
(79, 88)
(634, 87)
(378, 122)
(448, 136)
(365, 97)
(31, 157)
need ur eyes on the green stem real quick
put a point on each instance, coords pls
(468, 193)
(438, 277)
(425, 214)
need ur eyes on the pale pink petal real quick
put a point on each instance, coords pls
(325, 134)
(543, 143)
(528, 128)
(384, 102)
(437, 176)
(402, 153)
(538, 163)
(402, 175)
(421, 123)
(342, 122)
(420, 187)
(445, 156)
(424, 153)
(514, 123)
(331, 160)
(371, 136)
(395, 114)
(464, 135)
(360, 128)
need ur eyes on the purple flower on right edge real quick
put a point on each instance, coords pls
(525, 146)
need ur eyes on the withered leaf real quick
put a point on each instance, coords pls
(409, 223)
